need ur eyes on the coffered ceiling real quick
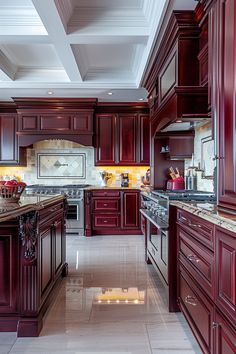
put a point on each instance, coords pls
(78, 48)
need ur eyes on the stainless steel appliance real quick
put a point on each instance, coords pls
(155, 209)
(124, 179)
(75, 198)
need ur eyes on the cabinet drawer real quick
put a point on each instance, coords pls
(197, 310)
(49, 212)
(106, 221)
(199, 228)
(106, 193)
(109, 205)
(198, 260)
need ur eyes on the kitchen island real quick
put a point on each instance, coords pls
(32, 260)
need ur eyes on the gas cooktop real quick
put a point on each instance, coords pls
(184, 194)
(58, 186)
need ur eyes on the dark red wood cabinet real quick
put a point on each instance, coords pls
(106, 139)
(10, 153)
(207, 282)
(122, 139)
(32, 260)
(109, 211)
(222, 71)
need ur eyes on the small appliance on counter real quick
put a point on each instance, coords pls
(124, 179)
(176, 182)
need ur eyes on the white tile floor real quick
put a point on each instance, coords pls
(110, 303)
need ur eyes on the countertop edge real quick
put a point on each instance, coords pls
(207, 215)
(12, 214)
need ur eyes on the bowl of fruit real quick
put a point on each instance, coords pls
(10, 191)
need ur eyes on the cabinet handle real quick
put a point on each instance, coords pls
(183, 218)
(53, 209)
(104, 204)
(190, 300)
(194, 225)
(218, 158)
(215, 325)
(193, 258)
(105, 221)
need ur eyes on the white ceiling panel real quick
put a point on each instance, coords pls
(78, 48)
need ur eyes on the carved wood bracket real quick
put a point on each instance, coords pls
(28, 232)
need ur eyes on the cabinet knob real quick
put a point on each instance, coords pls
(105, 221)
(193, 258)
(215, 325)
(104, 204)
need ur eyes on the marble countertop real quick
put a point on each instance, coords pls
(26, 204)
(209, 212)
(113, 187)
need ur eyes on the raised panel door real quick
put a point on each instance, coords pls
(8, 141)
(225, 110)
(226, 272)
(225, 337)
(58, 226)
(144, 141)
(127, 139)
(8, 271)
(28, 122)
(55, 122)
(83, 122)
(130, 215)
(105, 139)
(46, 258)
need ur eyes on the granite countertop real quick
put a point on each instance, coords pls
(113, 187)
(26, 204)
(209, 212)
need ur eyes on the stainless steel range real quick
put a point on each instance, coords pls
(160, 240)
(75, 198)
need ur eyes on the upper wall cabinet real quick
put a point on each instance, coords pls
(223, 73)
(122, 139)
(172, 79)
(10, 154)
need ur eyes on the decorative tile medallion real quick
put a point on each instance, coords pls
(64, 165)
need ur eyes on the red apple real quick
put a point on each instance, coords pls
(2, 183)
(12, 182)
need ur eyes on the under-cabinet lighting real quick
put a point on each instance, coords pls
(110, 93)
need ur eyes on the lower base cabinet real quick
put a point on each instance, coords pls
(206, 288)
(112, 212)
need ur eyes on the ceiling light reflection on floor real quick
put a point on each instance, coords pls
(120, 296)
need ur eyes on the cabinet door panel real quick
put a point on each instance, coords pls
(52, 122)
(58, 224)
(130, 217)
(225, 336)
(106, 221)
(83, 122)
(106, 205)
(226, 272)
(144, 140)
(198, 311)
(46, 258)
(8, 272)
(8, 143)
(227, 104)
(127, 139)
(106, 139)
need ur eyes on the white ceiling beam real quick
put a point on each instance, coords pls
(108, 38)
(49, 15)
(7, 66)
(24, 39)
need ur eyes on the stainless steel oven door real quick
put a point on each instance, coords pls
(75, 216)
(157, 245)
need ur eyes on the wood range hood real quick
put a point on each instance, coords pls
(176, 78)
(58, 118)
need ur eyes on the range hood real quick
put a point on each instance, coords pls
(181, 110)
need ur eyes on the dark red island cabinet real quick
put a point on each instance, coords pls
(122, 139)
(206, 277)
(32, 261)
(112, 212)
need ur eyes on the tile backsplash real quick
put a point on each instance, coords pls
(61, 162)
(201, 158)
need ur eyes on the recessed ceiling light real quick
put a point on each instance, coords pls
(110, 93)
(50, 92)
